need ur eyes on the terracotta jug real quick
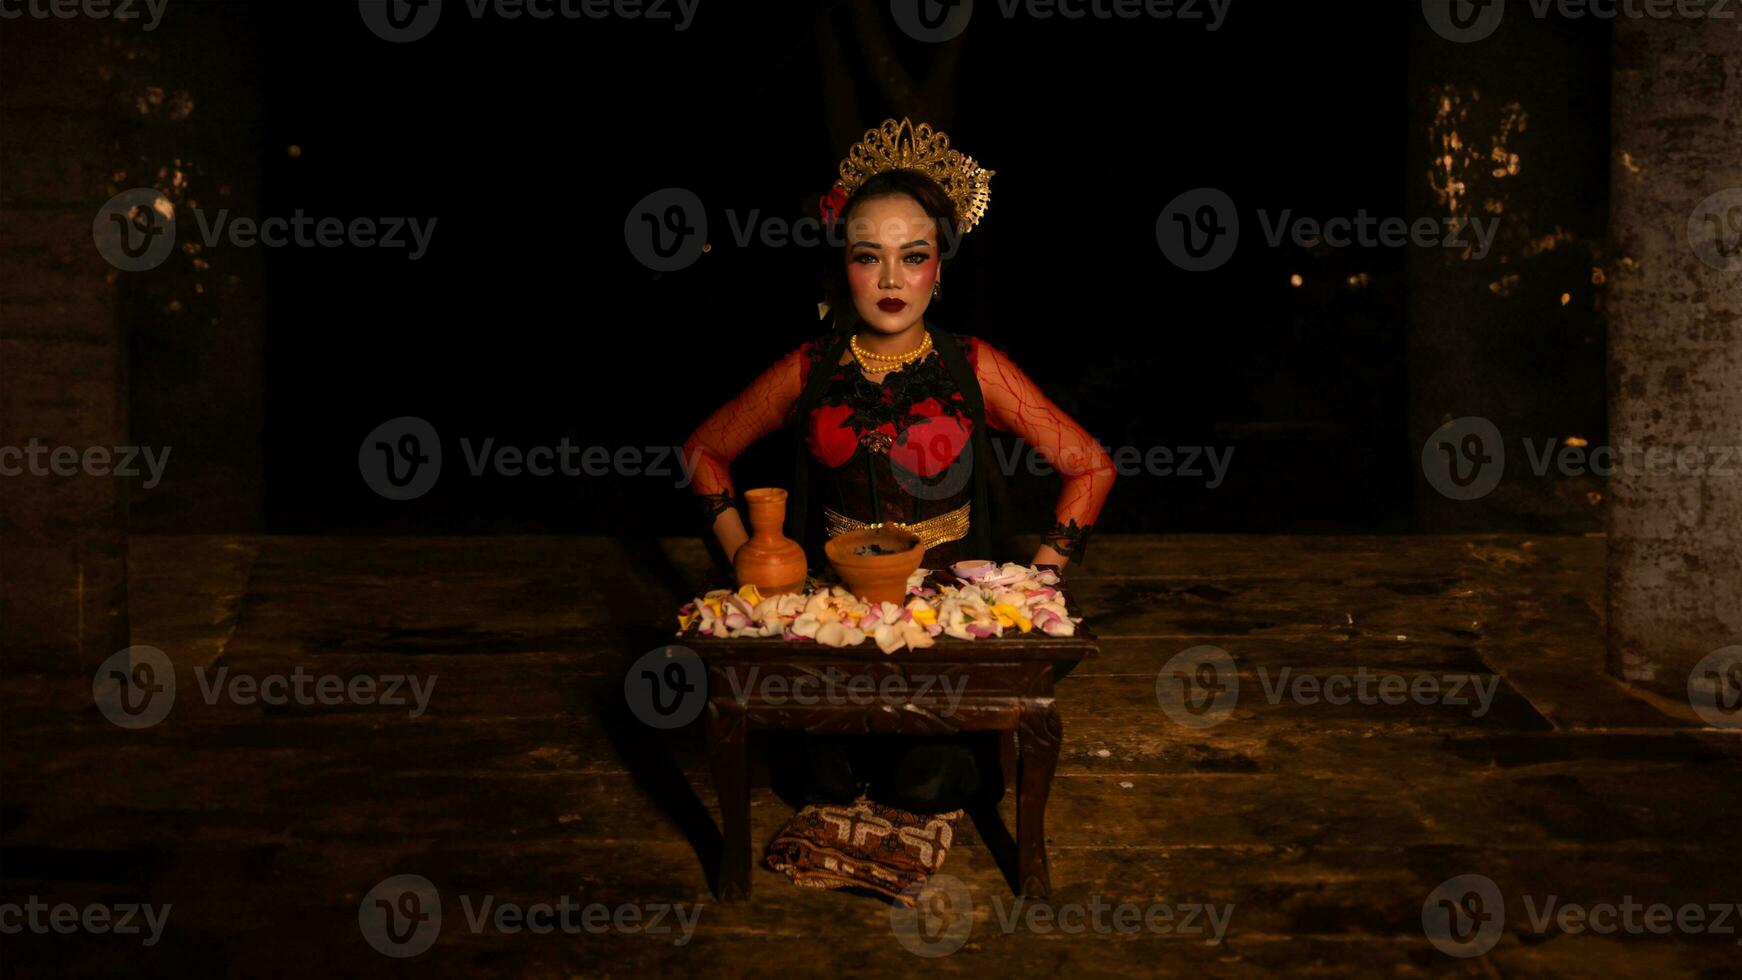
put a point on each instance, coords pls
(770, 560)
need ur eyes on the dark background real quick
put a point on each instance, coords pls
(529, 321)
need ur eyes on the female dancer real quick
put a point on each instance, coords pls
(892, 414)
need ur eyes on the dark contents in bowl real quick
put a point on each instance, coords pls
(876, 549)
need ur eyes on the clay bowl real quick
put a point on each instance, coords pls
(876, 578)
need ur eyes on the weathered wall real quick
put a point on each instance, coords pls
(63, 544)
(1675, 342)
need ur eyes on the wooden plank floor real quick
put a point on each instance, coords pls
(1325, 827)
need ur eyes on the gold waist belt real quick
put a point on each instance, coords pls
(951, 526)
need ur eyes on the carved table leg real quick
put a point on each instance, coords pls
(1040, 734)
(729, 751)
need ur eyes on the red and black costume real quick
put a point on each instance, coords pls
(904, 448)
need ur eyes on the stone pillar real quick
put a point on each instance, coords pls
(1675, 346)
(63, 358)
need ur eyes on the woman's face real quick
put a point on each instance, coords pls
(892, 261)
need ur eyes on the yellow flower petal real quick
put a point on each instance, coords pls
(1009, 615)
(750, 594)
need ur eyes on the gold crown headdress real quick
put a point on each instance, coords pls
(904, 146)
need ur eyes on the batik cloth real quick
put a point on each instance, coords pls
(863, 845)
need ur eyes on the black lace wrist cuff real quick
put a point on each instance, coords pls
(712, 505)
(1068, 540)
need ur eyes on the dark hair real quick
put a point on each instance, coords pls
(931, 199)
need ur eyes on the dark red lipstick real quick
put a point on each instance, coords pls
(891, 305)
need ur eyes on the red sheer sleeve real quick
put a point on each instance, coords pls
(1014, 403)
(758, 410)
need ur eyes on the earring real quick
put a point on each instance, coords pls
(937, 289)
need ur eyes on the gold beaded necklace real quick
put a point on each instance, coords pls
(883, 363)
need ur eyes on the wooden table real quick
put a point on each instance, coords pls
(996, 684)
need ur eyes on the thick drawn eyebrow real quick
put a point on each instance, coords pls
(913, 244)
